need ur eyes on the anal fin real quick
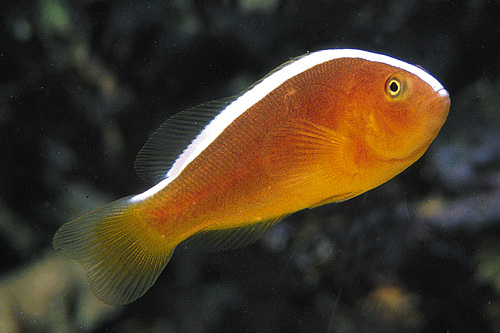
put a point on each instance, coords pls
(229, 239)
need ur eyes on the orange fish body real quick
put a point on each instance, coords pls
(321, 128)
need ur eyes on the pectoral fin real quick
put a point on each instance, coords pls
(301, 151)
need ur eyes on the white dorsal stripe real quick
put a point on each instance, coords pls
(260, 90)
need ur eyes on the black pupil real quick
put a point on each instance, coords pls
(394, 86)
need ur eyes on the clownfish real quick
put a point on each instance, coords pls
(321, 128)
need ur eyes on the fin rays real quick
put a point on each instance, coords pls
(121, 258)
(168, 142)
(229, 239)
(307, 150)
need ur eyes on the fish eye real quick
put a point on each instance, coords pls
(393, 87)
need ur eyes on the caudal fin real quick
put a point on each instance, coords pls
(122, 258)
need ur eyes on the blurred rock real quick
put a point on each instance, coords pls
(49, 295)
(392, 309)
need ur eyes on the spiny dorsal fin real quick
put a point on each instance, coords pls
(228, 239)
(168, 142)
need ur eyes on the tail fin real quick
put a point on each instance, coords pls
(120, 255)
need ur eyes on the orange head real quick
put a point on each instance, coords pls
(399, 110)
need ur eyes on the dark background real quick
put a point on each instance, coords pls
(84, 83)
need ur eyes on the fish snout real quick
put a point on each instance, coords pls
(437, 109)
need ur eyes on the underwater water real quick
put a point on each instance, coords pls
(84, 83)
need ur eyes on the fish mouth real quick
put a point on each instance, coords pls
(439, 108)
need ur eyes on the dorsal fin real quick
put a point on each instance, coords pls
(229, 239)
(169, 141)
